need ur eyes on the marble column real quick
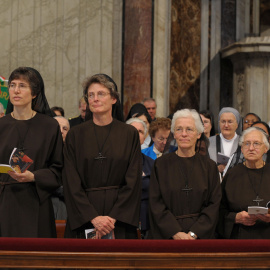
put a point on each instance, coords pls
(137, 50)
(185, 54)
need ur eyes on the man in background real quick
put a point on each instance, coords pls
(151, 106)
(81, 118)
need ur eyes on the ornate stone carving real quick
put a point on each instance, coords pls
(240, 91)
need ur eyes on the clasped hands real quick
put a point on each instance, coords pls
(103, 225)
(249, 220)
(25, 177)
(182, 236)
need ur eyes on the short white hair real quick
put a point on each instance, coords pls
(187, 113)
(137, 120)
(60, 116)
(248, 130)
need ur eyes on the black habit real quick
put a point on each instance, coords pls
(240, 187)
(184, 196)
(25, 208)
(102, 187)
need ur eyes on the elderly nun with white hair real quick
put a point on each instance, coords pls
(247, 184)
(185, 190)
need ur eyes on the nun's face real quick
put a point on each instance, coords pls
(228, 125)
(20, 93)
(100, 99)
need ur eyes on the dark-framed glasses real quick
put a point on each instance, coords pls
(256, 145)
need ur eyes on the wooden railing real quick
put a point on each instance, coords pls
(133, 254)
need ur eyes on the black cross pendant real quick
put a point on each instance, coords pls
(187, 189)
(100, 157)
(258, 200)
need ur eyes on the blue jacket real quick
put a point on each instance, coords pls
(150, 152)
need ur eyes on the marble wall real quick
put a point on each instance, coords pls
(66, 40)
(185, 54)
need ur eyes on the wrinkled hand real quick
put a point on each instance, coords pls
(245, 219)
(103, 225)
(265, 218)
(182, 236)
(25, 177)
(221, 168)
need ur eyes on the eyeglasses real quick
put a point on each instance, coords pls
(249, 121)
(100, 95)
(188, 130)
(229, 123)
(21, 86)
(162, 139)
(256, 145)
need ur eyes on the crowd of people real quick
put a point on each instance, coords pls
(146, 176)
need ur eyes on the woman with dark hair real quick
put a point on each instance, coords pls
(208, 123)
(249, 119)
(102, 171)
(25, 205)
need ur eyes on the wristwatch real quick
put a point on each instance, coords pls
(193, 235)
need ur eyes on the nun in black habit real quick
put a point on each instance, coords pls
(25, 205)
(102, 171)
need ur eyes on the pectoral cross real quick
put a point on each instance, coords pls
(186, 189)
(100, 157)
(258, 200)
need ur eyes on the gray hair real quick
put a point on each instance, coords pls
(60, 116)
(137, 120)
(2, 110)
(247, 131)
(187, 113)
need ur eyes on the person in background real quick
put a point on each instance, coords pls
(59, 206)
(59, 111)
(64, 126)
(208, 123)
(159, 131)
(81, 118)
(226, 142)
(102, 168)
(247, 184)
(2, 110)
(184, 193)
(25, 206)
(138, 110)
(147, 164)
(249, 119)
(151, 106)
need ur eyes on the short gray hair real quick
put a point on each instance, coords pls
(137, 120)
(187, 113)
(247, 131)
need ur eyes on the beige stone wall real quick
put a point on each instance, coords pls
(66, 40)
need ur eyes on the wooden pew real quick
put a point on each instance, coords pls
(60, 228)
(133, 254)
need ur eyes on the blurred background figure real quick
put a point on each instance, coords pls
(64, 126)
(58, 111)
(249, 119)
(138, 110)
(147, 164)
(226, 142)
(159, 131)
(208, 123)
(81, 118)
(151, 106)
(2, 110)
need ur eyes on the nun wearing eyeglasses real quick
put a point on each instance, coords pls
(185, 191)
(247, 185)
